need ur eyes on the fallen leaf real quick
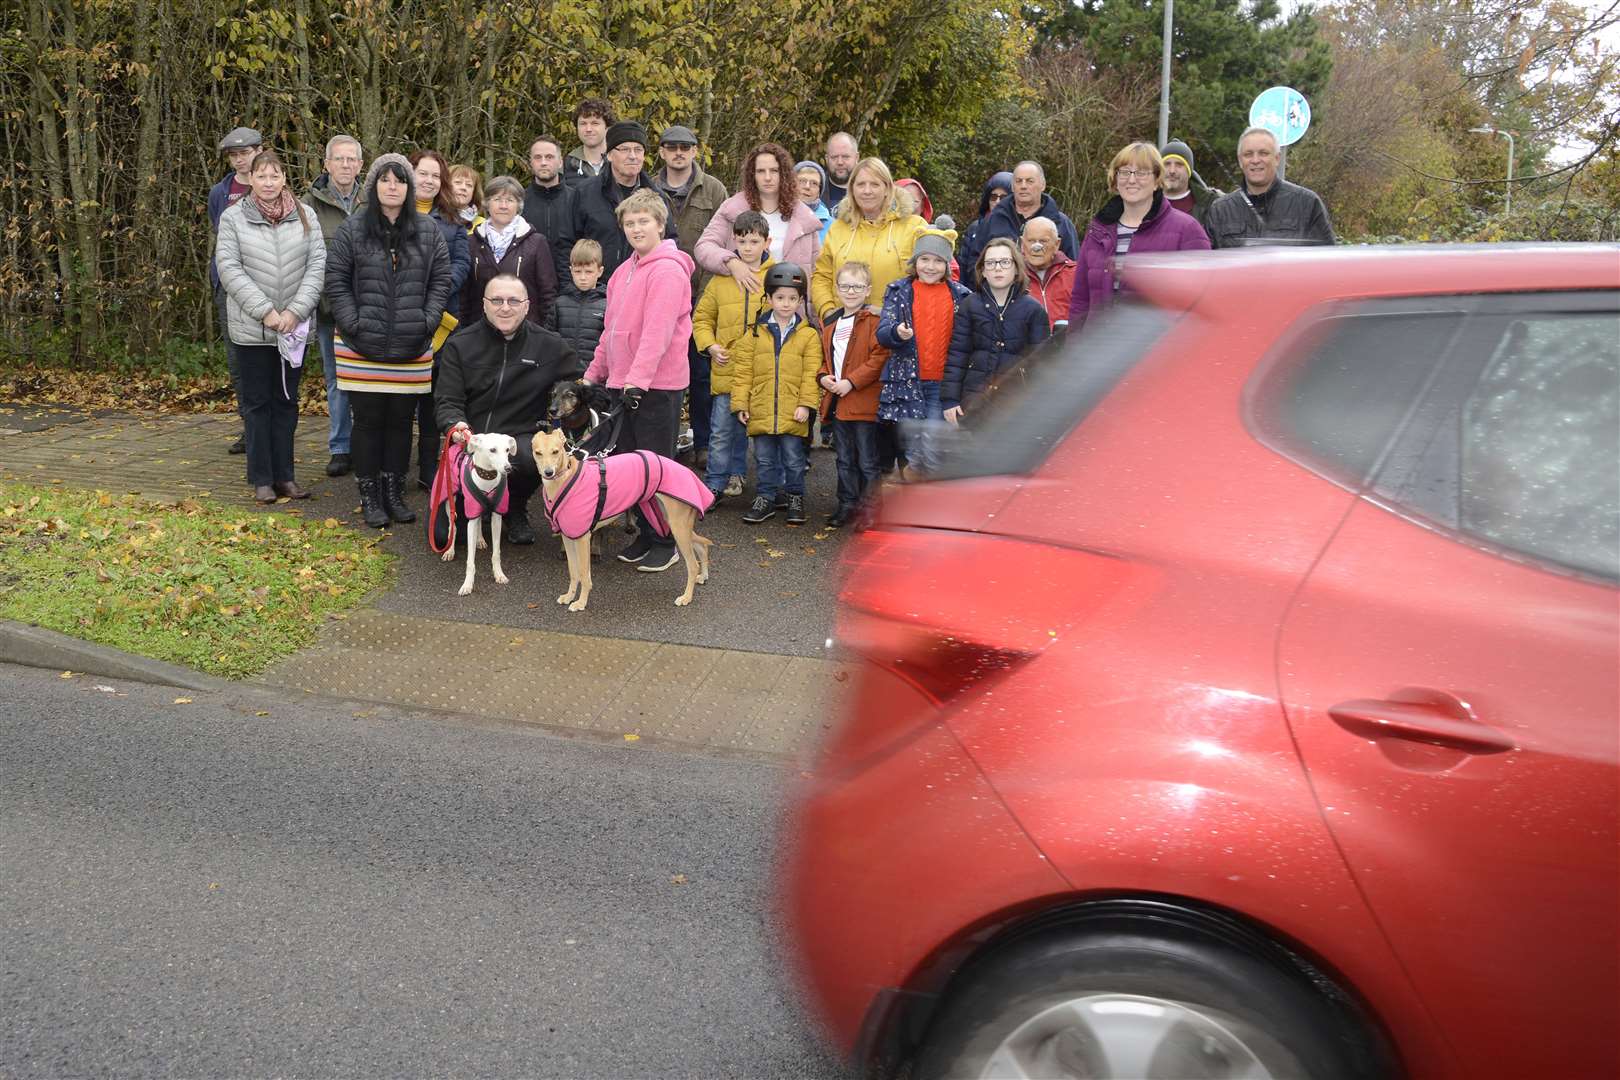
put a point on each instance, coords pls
(182, 701)
(262, 712)
(820, 535)
(773, 553)
(105, 689)
(65, 675)
(808, 550)
(632, 738)
(330, 523)
(678, 879)
(213, 885)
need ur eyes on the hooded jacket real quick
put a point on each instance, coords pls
(575, 171)
(492, 384)
(986, 339)
(884, 245)
(596, 202)
(528, 256)
(387, 302)
(1004, 220)
(776, 375)
(924, 209)
(822, 211)
(550, 212)
(1286, 212)
(723, 314)
(800, 245)
(977, 234)
(265, 268)
(648, 322)
(1163, 229)
(864, 360)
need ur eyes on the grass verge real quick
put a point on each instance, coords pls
(195, 583)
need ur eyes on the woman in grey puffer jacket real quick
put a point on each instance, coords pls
(271, 263)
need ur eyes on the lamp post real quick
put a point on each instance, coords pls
(1508, 135)
(1164, 73)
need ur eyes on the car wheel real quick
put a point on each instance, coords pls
(1122, 1004)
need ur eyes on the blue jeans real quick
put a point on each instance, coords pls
(858, 471)
(781, 465)
(920, 438)
(341, 425)
(728, 444)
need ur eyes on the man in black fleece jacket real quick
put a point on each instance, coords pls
(496, 376)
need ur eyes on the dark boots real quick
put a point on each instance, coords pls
(371, 506)
(393, 498)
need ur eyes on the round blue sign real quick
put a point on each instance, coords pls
(1284, 112)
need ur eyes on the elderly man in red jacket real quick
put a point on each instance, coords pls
(1051, 273)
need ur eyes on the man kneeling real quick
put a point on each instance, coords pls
(496, 376)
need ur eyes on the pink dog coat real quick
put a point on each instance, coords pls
(633, 479)
(472, 506)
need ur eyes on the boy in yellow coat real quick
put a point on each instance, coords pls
(723, 314)
(774, 392)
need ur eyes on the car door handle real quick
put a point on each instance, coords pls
(1420, 715)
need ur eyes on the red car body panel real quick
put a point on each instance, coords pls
(1169, 629)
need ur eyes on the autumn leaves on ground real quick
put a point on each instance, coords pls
(194, 583)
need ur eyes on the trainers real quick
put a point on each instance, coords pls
(762, 510)
(635, 551)
(795, 510)
(734, 487)
(658, 559)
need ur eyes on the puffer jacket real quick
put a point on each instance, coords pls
(265, 268)
(455, 242)
(978, 233)
(528, 256)
(800, 245)
(387, 304)
(775, 376)
(1163, 229)
(722, 316)
(578, 317)
(649, 323)
(901, 396)
(884, 245)
(1287, 212)
(864, 360)
(986, 339)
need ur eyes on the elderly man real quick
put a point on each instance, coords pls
(1266, 210)
(496, 376)
(1051, 273)
(843, 154)
(238, 146)
(335, 195)
(1029, 201)
(1183, 188)
(596, 201)
(548, 203)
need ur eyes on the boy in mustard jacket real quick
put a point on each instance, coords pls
(774, 392)
(723, 314)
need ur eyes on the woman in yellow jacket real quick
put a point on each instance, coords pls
(874, 225)
(774, 392)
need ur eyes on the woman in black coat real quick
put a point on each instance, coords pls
(507, 244)
(388, 280)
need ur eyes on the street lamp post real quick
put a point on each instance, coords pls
(1508, 135)
(1164, 73)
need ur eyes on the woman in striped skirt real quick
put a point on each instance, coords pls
(388, 279)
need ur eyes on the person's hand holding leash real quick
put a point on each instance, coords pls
(461, 433)
(632, 397)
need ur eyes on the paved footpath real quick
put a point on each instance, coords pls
(743, 670)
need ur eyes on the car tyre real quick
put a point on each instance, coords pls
(1137, 1005)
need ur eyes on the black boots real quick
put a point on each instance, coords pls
(393, 498)
(517, 528)
(371, 507)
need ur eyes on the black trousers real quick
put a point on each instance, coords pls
(233, 362)
(267, 395)
(654, 426)
(381, 442)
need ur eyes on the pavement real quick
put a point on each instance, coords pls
(742, 670)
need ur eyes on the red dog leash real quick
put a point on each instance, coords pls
(444, 491)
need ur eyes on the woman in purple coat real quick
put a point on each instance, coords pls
(1137, 220)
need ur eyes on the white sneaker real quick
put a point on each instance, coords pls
(653, 563)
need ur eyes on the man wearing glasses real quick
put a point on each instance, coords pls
(496, 376)
(335, 195)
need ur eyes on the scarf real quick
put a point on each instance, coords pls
(501, 239)
(276, 212)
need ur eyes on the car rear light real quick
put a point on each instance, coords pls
(941, 614)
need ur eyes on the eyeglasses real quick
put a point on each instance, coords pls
(346, 161)
(998, 264)
(1133, 174)
(506, 301)
(853, 286)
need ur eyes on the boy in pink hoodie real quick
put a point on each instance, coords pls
(642, 354)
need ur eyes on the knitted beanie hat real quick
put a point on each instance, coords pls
(941, 242)
(1177, 148)
(625, 131)
(390, 159)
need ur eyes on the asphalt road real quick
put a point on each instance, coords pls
(197, 889)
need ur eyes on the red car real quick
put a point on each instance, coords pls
(1242, 699)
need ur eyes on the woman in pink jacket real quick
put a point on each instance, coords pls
(767, 186)
(642, 354)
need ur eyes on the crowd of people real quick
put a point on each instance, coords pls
(822, 303)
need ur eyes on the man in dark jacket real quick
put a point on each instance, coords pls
(1183, 188)
(1266, 210)
(496, 376)
(1029, 199)
(596, 201)
(333, 196)
(238, 147)
(548, 203)
(592, 118)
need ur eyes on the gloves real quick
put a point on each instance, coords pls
(632, 397)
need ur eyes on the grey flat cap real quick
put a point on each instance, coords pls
(676, 135)
(240, 138)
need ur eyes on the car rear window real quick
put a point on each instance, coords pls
(1035, 404)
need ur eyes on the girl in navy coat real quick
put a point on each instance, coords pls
(995, 326)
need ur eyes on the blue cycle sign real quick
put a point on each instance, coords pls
(1284, 112)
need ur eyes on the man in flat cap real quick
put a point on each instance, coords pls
(238, 147)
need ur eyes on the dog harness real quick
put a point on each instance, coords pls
(604, 487)
(475, 501)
